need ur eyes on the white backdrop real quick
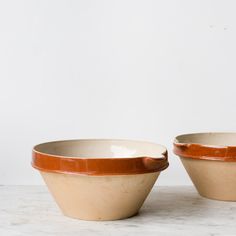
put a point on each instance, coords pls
(146, 70)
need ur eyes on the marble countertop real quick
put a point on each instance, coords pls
(30, 210)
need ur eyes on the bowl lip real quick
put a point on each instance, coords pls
(201, 151)
(99, 165)
(97, 140)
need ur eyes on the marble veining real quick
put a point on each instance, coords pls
(30, 210)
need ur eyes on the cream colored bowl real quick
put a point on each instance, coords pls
(210, 161)
(99, 179)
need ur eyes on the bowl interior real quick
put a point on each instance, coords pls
(101, 148)
(209, 139)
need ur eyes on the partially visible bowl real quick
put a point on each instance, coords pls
(99, 179)
(210, 160)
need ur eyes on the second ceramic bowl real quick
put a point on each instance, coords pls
(210, 160)
(99, 179)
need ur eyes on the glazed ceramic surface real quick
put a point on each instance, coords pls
(99, 179)
(210, 160)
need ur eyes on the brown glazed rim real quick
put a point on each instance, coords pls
(98, 166)
(203, 151)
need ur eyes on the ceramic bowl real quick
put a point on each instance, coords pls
(210, 160)
(99, 179)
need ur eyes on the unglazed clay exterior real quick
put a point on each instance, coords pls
(99, 197)
(210, 161)
(212, 179)
(99, 179)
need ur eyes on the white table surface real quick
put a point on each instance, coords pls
(30, 210)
